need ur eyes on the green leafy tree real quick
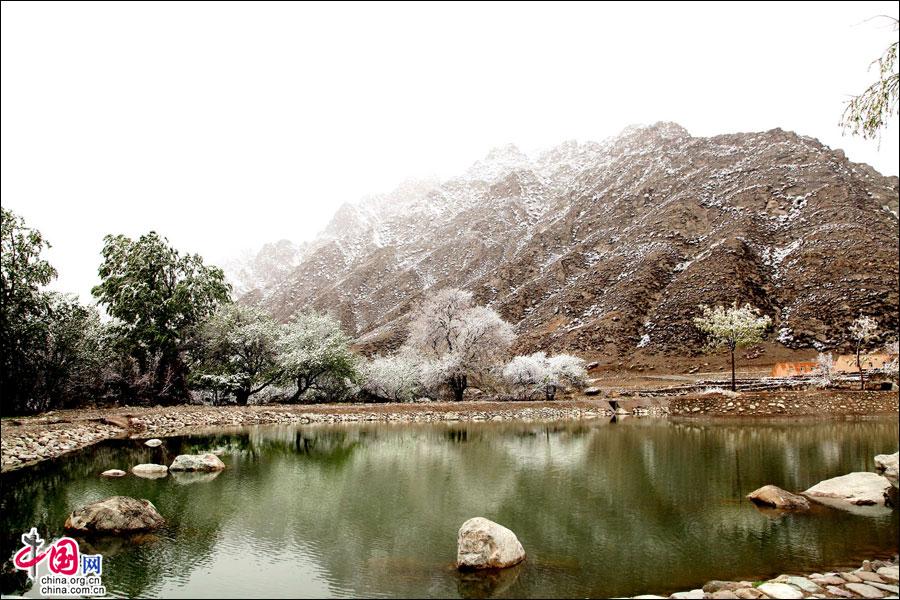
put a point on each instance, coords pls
(23, 306)
(238, 348)
(733, 327)
(868, 113)
(315, 353)
(74, 355)
(158, 296)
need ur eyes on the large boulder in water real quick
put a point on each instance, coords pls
(483, 544)
(118, 514)
(854, 492)
(886, 464)
(197, 462)
(770, 495)
(150, 470)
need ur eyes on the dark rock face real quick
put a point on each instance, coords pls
(611, 246)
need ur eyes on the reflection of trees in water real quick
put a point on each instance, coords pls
(378, 506)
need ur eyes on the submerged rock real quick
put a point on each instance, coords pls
(117, 514)
(852, 492)
(153, 442)
(483, 544)
(189, 477)
(771, 495)
(113, 473)
(197, 462)
(150, 470)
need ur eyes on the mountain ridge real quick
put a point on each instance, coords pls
(610, 246)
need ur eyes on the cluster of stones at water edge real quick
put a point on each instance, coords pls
(874, 579)
(29, 448)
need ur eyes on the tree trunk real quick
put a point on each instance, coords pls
(862, 379)
(242, 396)
(301, 387)
(733, 381)
(458, 384)
(550, 392)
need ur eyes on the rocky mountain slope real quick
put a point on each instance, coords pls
(608, 247)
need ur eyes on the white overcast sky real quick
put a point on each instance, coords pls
(224, 126)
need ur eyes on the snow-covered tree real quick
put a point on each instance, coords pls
(313, 349)
(825, 368)
(893, 367)
(539, 373)
(862, 330)
(732, 327)
(525, 373)
(397, 377)
(237, 351)
(459, 341)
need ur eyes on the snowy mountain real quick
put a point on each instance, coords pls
(611, 246)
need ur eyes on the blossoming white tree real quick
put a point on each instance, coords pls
(893, 350)
(539, 373)
(732, 327)
(461, 342)
(397, 377)
(237, 351)
(825, 368)
(862, 330)
(313, 348)
(526, 372)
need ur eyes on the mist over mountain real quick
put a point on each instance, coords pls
(610, 246)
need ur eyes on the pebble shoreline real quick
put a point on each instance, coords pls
(874, 579)
(21, 449)
(30, 440)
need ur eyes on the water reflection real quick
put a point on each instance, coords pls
(373, 510)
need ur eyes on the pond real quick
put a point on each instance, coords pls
(603, 509)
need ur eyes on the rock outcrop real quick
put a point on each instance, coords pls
(483, 544)
(115, 515)
(774, 496)
(197, 462)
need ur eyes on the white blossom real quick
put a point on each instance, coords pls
(458, 341)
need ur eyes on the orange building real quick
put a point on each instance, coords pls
(790, 369)
(845, 363)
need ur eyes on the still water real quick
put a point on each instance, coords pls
(602, 509)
